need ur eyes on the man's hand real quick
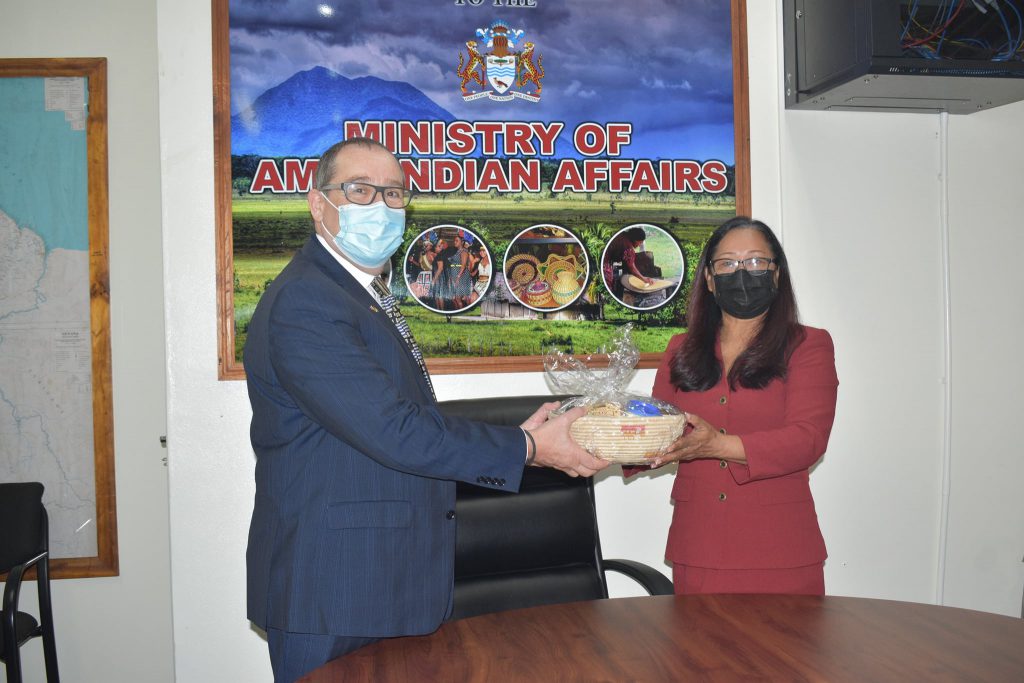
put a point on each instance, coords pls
(555, 448)
(541, 416)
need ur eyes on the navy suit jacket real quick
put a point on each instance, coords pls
(353, 528)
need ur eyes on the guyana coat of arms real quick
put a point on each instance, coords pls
(503, 69)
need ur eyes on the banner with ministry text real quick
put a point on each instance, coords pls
(569, 157)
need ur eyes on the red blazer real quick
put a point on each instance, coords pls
(757, 515)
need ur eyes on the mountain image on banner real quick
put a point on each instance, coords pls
(305, 114)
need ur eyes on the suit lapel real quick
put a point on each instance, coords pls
(315, 252)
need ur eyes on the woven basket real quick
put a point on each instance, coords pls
(627, 439)
(565, 289)
(538, 294)
(554, 265)
(522, 268)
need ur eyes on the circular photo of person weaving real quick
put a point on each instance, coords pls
(642, 267)
(447, 269)
(546, 268)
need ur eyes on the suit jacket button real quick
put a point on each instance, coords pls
(722, 496)
(450, 514)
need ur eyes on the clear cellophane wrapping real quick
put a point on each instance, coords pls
(619, 426)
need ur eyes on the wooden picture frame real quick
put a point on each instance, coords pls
(229, 368)
(94, 70)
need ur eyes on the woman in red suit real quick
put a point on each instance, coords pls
(760, 392)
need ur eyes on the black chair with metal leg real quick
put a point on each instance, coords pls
(24, 543)
(538, 547)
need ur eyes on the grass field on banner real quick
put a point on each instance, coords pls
(467, 336)
(282, 222)
(268, 230)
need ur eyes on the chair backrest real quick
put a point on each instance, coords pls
(537, 547)
(22, 523)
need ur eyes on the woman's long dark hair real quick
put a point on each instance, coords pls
(694, 366)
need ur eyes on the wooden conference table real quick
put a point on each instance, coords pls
(706, 637)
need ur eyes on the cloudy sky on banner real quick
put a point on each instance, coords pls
(664, 65)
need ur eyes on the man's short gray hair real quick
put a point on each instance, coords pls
(325, 167)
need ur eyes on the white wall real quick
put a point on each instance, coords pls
(851, 224)
(984, 568)
(211, 463)
(118, 628)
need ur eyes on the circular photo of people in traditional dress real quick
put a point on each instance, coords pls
(447, 269)
(643, 267)
(546, 268)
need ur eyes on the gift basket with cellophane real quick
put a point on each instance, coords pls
(619, 426)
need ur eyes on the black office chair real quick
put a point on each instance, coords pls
(537, 547)
(24, 542)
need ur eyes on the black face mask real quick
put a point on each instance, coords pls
(743, 295)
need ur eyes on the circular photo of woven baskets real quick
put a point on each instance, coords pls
(643, 267)
(546, 268)
(448, 269)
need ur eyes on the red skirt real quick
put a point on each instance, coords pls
(808, 580)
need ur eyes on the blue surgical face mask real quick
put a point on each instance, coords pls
(368, 234)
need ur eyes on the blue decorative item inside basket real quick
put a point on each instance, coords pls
(642, 408)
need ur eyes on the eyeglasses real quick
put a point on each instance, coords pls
(365, 193)
(755, 265)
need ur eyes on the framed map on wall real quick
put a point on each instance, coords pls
(56, 423)
(548, 142)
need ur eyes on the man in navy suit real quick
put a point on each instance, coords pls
(353, 531)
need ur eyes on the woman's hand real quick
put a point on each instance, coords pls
(703, 441)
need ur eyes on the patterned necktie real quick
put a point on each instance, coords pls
(390, 305)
